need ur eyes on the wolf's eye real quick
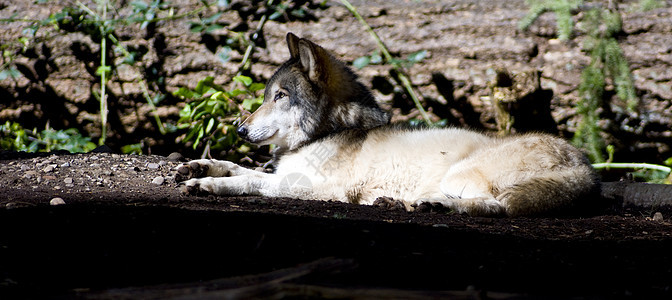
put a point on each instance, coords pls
(279, 95)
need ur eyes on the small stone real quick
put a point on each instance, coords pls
(56, 201)
(58, 187)
(152, 165)
(67, 180)
(65, 165)
(49, 168)
(175, 156)
(158, 180)
(658, 217)
(25, 168)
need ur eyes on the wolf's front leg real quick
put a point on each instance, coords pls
(230, 186)
(209, 168)
(256, 183)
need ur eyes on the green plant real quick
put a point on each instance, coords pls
(395, 63)
(562, 10)
(8, 70)
(645, 5)
(133, 148)
(211, 111)
(15, 138)
(207, 25)
(607, 63)
(601, 27)
(651, 173)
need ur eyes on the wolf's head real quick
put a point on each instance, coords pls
(310, 96)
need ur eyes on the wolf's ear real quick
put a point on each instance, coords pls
(309, 54)
(310, 57)
(293, 45)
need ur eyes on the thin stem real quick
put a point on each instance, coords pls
(245, 64)
(103, 77)
(405, 81)
(632, 166)
(145, 92)
(19, 20)
(175, 17)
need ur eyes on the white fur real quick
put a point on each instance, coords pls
(456, 168)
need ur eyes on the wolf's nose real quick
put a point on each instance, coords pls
(242, 131)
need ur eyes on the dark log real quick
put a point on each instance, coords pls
(637, 194)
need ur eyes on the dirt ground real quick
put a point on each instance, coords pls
(123, 230)
(110, 226)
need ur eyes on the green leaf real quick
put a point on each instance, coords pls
(256, 87)
(275, 15)
(132, 149)
(10, 73)
(668, 162)
(186, 111)
(205, 85)
(243, 79)
(196, 27)
(212, 18)
(361, 62)
(192, 131)
(417, 56)
(251, 104)
(140, 5)
(213, 27)
(376, 58)
(223, 3)
(224, 54)
(186, 93)
(237, 92)
(201, 133)
(101, 69)
(211, 123)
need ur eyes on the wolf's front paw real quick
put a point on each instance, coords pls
(194, 187)
(192, 169)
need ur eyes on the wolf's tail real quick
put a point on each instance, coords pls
(552, 192)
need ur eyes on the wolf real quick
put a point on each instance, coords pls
(334, 142)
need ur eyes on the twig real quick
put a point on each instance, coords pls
(388, 57)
